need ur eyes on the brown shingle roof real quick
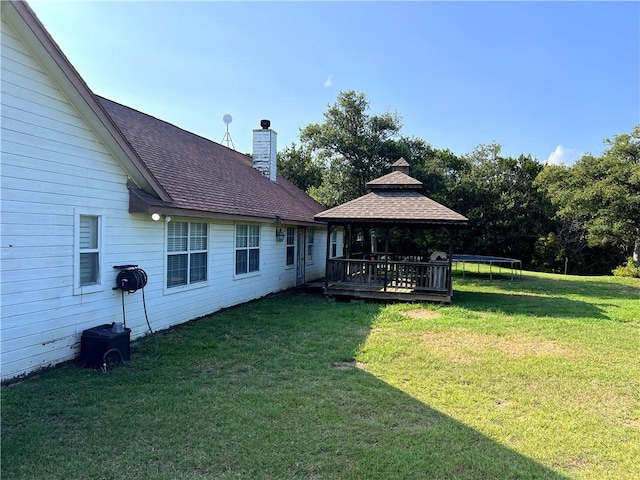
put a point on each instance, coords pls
(394, 198)
(400, 163)
(201, 175)
(395, 180)
(393, 206)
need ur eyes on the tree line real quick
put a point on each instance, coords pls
(585, 217)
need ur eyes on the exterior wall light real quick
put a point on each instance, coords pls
(156, 216)
(279, 235)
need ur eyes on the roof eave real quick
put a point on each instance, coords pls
(141, 203)
(394, 221)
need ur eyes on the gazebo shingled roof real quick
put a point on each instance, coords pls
(394, 198)
(395, 180)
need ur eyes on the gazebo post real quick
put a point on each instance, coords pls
(386, 257)
(450, 274)
(327, 256)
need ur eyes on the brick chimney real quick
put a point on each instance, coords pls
(265, 150)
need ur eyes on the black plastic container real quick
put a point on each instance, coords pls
(98, 341)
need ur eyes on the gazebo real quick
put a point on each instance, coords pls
(369, 268)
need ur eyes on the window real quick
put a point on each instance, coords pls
(89, 250)
(334, 243)
(247, 249)
(291, 246)
(187, 245)
(310, 240)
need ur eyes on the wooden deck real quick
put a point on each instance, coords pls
(390, 280)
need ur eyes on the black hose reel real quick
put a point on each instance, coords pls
(130, 278)
(115, 338)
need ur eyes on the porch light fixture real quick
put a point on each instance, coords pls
(279, 235)
(156, 216)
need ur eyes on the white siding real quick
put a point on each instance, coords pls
(53, 163)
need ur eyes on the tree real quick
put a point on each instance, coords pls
(507, 214)
(602, 193)
(355, 147)
(298, 166)
(438, 170)
(568, 238)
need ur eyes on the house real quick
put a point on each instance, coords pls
(89, 185)
(369, 269)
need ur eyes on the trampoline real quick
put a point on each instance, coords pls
(514, 265)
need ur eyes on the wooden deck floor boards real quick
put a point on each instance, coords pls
(392, 293)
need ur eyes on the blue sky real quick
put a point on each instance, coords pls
(538, 77)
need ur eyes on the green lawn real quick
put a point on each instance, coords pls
(518, 379)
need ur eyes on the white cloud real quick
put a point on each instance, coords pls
(563, 156)
(328, 82)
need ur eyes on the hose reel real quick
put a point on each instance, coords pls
(130, 278)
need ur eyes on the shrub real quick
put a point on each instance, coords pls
(631, 269)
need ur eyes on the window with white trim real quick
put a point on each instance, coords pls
(291, 246)
(310, 240)
(247, 249)
(89, 250)
(187, 252)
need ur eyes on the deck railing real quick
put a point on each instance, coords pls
(428, 276)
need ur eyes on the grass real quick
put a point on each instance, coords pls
(518, 379)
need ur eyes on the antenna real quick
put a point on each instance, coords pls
(227, 119)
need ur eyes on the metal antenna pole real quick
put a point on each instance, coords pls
(227, 119)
